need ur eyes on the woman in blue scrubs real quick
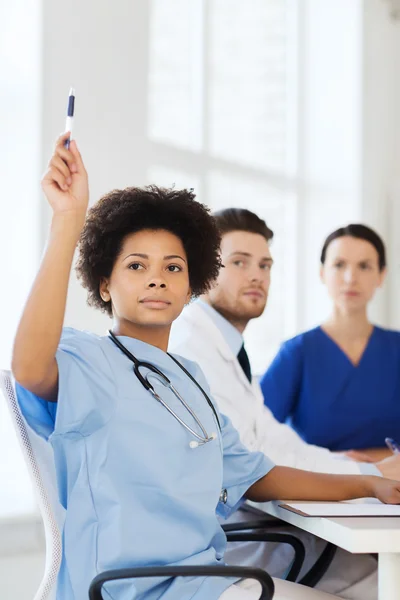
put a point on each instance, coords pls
(338, 385)
(143, 469)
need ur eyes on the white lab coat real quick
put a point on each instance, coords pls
(194, 335)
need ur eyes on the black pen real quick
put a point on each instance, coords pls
(70, 116)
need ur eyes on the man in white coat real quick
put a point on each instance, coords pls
(209, 331)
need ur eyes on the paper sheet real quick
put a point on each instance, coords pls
(342, 509)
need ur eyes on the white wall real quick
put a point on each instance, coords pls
(330, 109)
(20, 97)
(106, 62)
(22, 557)
(382, 181)
(20, 575)
(21, 538)
(380, 202)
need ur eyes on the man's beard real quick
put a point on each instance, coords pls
(237, 315)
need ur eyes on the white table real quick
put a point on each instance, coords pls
(360, 535)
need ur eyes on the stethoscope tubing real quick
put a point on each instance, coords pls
(203, 439)
(167, 383)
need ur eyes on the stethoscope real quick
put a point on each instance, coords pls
(138, 364)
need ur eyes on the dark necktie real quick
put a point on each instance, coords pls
(244, 362)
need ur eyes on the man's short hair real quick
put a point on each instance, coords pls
(241, 219)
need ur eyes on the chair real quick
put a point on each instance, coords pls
(39, 459)
(315, 573)
(313, 576)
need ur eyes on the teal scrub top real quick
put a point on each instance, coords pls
(134, 491)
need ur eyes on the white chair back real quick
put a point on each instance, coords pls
(38, 456)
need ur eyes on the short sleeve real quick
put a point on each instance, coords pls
(86, 389)
(241, 467)
(281, 382)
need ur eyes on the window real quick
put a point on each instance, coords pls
(222, 120)
(19, 222)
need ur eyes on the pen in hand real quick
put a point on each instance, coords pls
(392, 445)
(70, 116)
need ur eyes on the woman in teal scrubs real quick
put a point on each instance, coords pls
(143, 469)
(338, 384)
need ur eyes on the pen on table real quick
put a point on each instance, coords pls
(392, 445)
(70, 115)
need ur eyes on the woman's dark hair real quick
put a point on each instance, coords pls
(361, 232)
(241, 219)
(122, 212)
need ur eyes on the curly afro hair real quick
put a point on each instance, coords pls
(122, 212)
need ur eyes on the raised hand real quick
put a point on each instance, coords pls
(65, 183)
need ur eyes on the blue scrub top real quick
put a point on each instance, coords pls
(312, 385)
(135, 493)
